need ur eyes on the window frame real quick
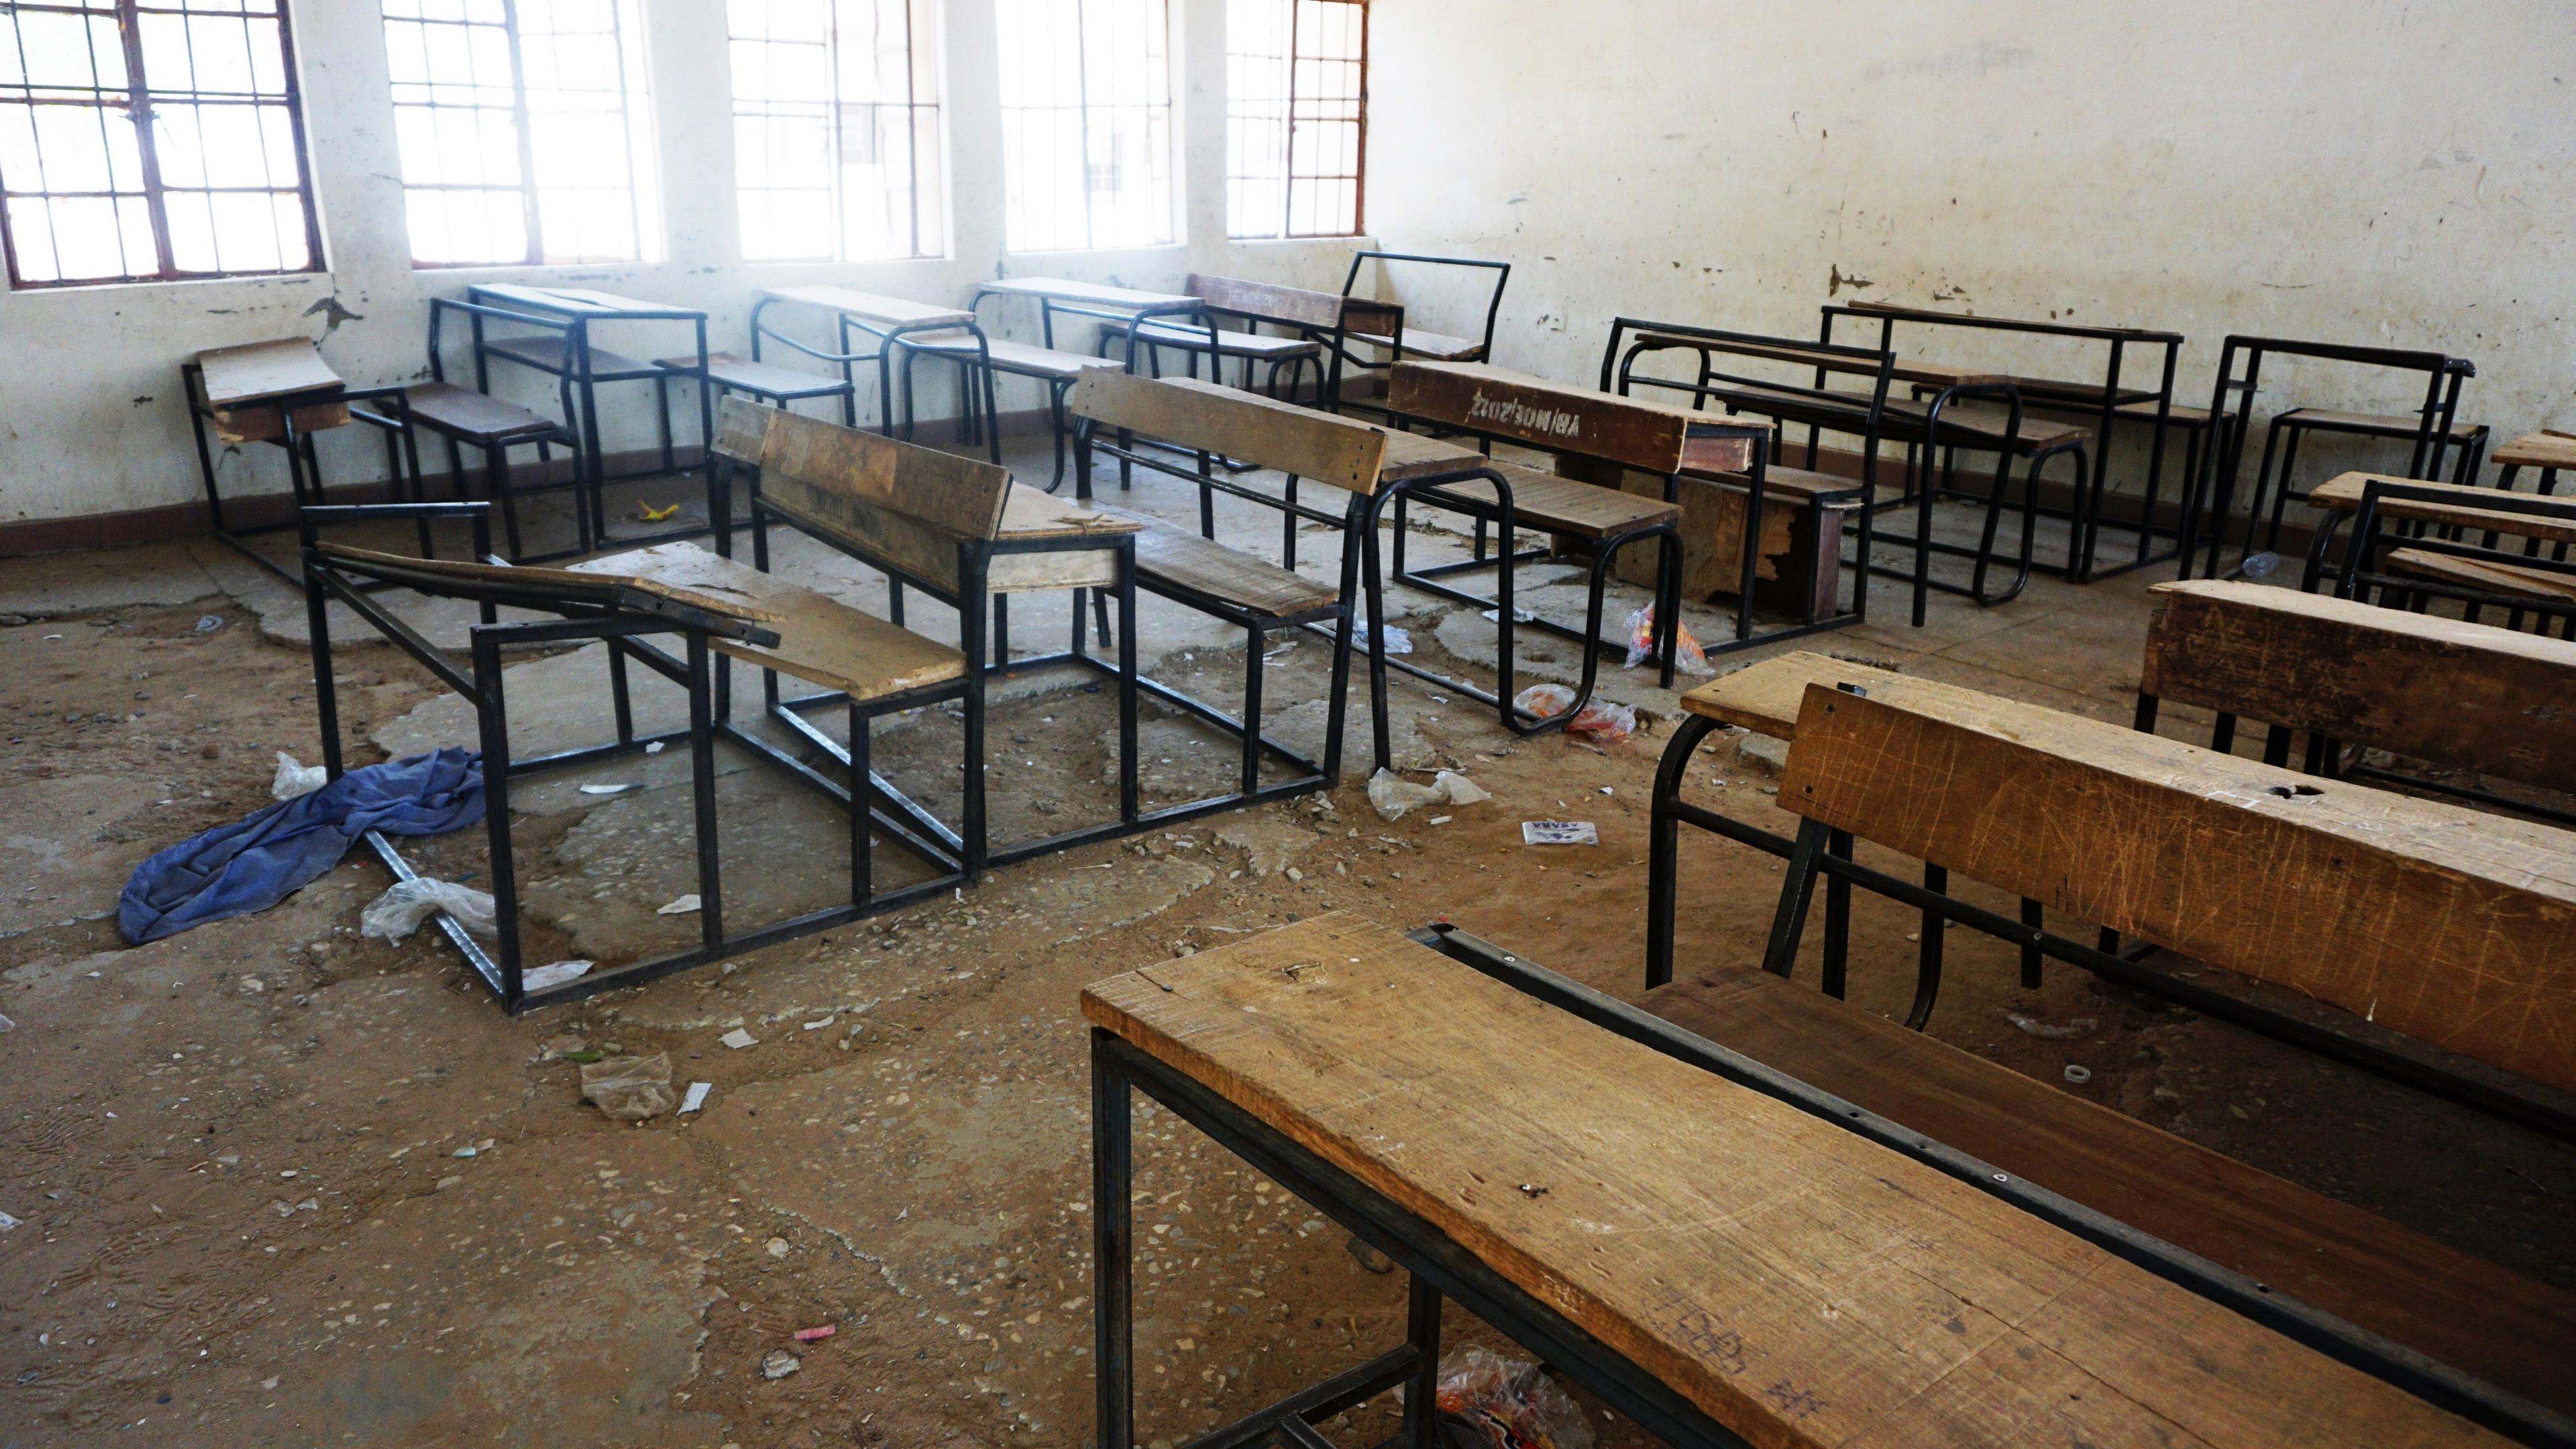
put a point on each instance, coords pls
(1175, 159)
(925, 21)
(642, 152)
(138, 104)
(1288, 177)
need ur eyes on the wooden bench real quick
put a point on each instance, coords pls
(1303, 314)
(2480, 573)
(2445, 925)
(1719, 1254)
(2457, 694)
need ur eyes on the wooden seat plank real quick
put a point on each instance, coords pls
(2460, 927)
(871, 307)
(820, 639)
(2176, 414)
(2421, 685)
(767, 378)
(1434, 346)
(604, 588)
(1170, 554)
(1065, 289)
(1550, 504)
(551, 352)
(2481, 1319)
(1193, 414)
(2538, 585)
(2537, 450)
(1798, 1284)
(2399, 424)
(1991, 422)
(1796, 487)
(470, 416)
(1765, 697)
(1020, 357)
(1413, 455)
(2343, 493)
(1260, 346)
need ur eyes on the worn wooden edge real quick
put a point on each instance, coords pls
(1766, 697)
(538, 580)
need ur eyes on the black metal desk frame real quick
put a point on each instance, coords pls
(303, 465)
(1341, 343)
(627, 632)
(1439, 1267)
(1131, 319)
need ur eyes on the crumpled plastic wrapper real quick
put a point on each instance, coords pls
(1487, 1401)
(1395, 796)
(630, 1089)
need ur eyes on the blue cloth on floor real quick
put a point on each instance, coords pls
(253, 863)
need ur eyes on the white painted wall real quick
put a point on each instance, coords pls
(90, 416)
(2370, 171)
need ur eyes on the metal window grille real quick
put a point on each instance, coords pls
(1086, 123)
(836, 129)
(1296, 117)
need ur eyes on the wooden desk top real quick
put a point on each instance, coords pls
(1798, 1284)
(1765, 697)
(1651, 436)
(871, 307)
(1065, 289)
(258, 371)
(578, 301)
(2537, 450)
(2342, 494)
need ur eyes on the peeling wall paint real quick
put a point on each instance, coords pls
(2369, 171)
(74, 362)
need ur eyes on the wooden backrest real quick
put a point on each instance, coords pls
(807, 461)
(1795, 1282)
(2472, 695)
(1290, 306)
(1506, 404)
(2454, 927)
(1194, 414)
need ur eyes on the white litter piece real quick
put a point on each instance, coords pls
(295, 778)
(1519, 615)
(7, 1025)
(7, 1222)
(393, 916)
(1398, 641)
(1394, 796)
(1559, 832)
(2078, 1076)
(738, 1039)
(552, 974)
(2080, 1026)
(1442, 819)
(818, 1025)
(680, 907)
(697, 1096)
(655, 748)
(606, 789)
(1688, 658)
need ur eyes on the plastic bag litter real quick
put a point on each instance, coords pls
(1687, 658)
(1398, 641)
(552, 974)
(1395, 797)
(295, 778)
(393, 916)
(1604, 721)
(1487, 1401)
(630, 1089)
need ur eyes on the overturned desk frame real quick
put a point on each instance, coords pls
(1767, 703)
(626, 616)
(1441, 1267)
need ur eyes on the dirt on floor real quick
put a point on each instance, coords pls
(275, 1184)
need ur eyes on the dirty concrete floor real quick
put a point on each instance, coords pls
(279, 1185)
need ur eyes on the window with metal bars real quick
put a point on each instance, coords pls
(151, 140)
(836, 129)
(1296, 117)
(1086, 123)
(523, 131)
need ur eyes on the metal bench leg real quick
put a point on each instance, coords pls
(702, 790)
(862, 875)
(1663, 851)
(1927, 959)
(1113, 1284)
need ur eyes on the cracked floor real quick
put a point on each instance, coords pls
(279, 1185)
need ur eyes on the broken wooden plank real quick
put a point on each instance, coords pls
(2420, 685)
(820, 639)
(1798, 1284)
(2455, 927)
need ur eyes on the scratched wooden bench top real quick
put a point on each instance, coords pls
(1796, 1283)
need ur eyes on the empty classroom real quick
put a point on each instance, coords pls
(1287, 724)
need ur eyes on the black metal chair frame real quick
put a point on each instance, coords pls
(496, 453)
(575, 370)
(2212, 495)
(848, 360)
(303, 463)
(1341, 343)
(2100, 406)
(1439, 1267)
(627, 632)
(1114, 318)
(1818, 851)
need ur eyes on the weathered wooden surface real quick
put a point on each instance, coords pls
(2495, 1325)
(259, 371)
(2513, 580)
(1247, 426)
(448, 408)
(2430, 688)
(871, 307)
(1766, 697)
(727, 369)
(595, 587)
(962, 496)
(1268, 301)
(1798, 1284)
(1092, 294)
(2342, 494)
(2454, 927)
(1175, 555)
(1418, 342)
(1412, 455)
(1566, 419)
(2400, 424)
(1010, 356)
(819, 638)
(2537, 450)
